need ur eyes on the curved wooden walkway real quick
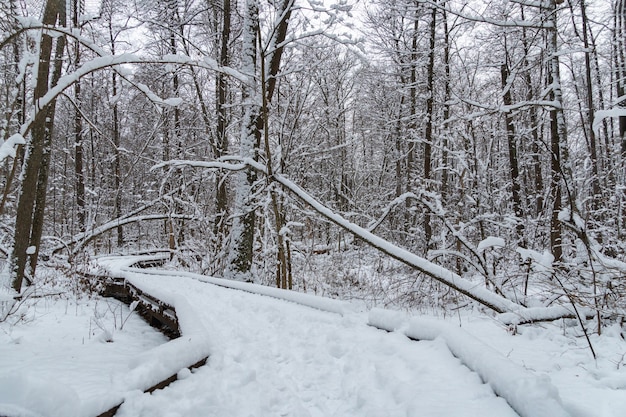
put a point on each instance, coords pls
(241, 320)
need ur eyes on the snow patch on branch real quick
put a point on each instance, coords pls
(490, 242)
(9, 146)
(600, 115)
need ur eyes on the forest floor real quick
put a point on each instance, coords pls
(60, 355)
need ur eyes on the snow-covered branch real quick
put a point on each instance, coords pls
(109, 61)
(600, 115)
(513, 313)
(9, 146)
(437, 272)
(516, 23)
(84, 238)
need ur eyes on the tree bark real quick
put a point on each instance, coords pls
(535, 147)
(79, 174)
(117, 174)
(513, 161)
(595, 180)
(221, 149)
(242, 233)
(558, 137)
(54, 9)
(446, 110)
(42, 180)
(620, 46)
(428, 134)
(20, 112)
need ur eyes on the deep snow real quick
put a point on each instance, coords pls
(271, 357)
(274, 358)
(61, 353)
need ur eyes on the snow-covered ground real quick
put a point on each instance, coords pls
(588, 387)
(271, 357)
(58, 353)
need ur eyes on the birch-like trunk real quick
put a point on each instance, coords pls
(242, 233)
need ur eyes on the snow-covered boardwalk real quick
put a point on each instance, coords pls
(272, 357)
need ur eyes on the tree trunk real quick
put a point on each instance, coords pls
(619, 52)
(117, 164)
(513, 161)
(242, 233)
(595, 180)
(412, 134)
(117, 174)
(558, 138)
(35, 152)
(446, 110)
(537, 174)
(221, 89)
(410, 158)
(42, 181)
(620, 45)
(20, 112)
(78, 131)
(428, 134)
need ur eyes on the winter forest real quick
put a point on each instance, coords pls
(431, 155)
(486, 139)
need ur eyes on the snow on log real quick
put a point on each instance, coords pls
(538, 314)
(528, 394)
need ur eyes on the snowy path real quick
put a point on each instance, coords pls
(276, 358)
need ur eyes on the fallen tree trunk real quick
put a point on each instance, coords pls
(514, 313)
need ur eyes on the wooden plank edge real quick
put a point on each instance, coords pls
(160, 385)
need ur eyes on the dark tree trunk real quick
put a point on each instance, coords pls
(446, 109)
(513, 160)
(117, 174)
(117, 165)
(221, 148)
(78, 131)
(558, 139)
(620, 45)
(536, 170)
(42, 181)
(595, 180)
(428, 134)
(35, 152)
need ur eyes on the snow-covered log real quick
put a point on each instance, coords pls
(515, 312)
(528, 394)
